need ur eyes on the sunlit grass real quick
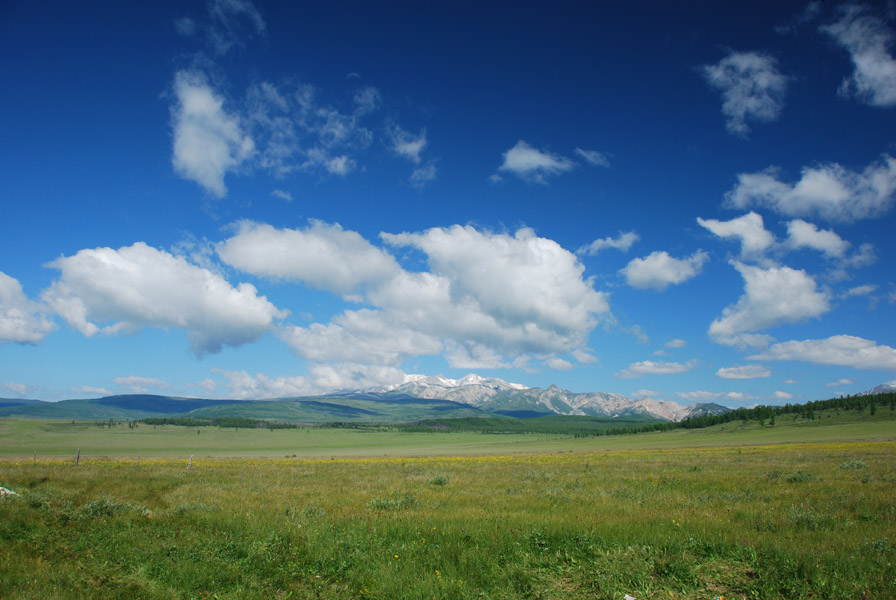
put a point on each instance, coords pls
(761, 521)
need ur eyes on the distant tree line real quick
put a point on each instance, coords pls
(768, 413)
(234, 422)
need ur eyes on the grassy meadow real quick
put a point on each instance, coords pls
(798, 510)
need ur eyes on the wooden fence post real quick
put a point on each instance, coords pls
(190, 464)
(78, 457)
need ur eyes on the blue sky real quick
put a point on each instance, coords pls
(236, 199)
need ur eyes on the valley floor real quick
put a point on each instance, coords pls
(799, 510)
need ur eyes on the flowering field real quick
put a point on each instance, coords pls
(762, 521)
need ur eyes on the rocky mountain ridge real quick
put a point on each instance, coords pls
(497, 395)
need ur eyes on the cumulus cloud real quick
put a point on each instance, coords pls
(828, 192)
(867, 39)
(21, 320)
(139, 385)
(593, 157)
(584, 356)
(676, 343)
(840, 382)
(772, 296)
(752, 88)
(208, 141)
(754, 238)
(321, 255)
(779, 395)
(649, 367)
(242, 385)
(486, 295)
(744, 372)
(806, 235)
(122, 291)
(558, 363)
(511, 278)
(839, 350)
(623, 241)
(659, 270)
(531, 164)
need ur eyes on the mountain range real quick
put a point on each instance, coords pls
(418, 397)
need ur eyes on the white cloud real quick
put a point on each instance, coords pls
(321, 379)
(339, 165)
(208, 384)
(94, 391)
(514, 279)
(352, 376)
(676, 343)
(531, 164)
(861, 290)
(121, 291)
(21, 320)
(486, 295)
(659, 270)
(828, 191)
(700, 395)
(559, 364)
(744, 372)
(754, 238)
(644, 394)
(704, 396)
(840, 350)
(867, 39)
(423, 174)
(321, 255)
(584, 356)
(139, 385)
(779, 395)
(227, 28)
(208, 142)
(471, 355)
(649, 367)
(622, 242)
(367, 100)
(772, 296)
(407, 145)
(840, 382)
(243, 386)
(365, 336)
(806, 235)
(282, 194)
(294, 131)
(18, 389)
(593, 157)
(752, 88)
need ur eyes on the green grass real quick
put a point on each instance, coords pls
(804, 509)
(49, 439)
(786, 521)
